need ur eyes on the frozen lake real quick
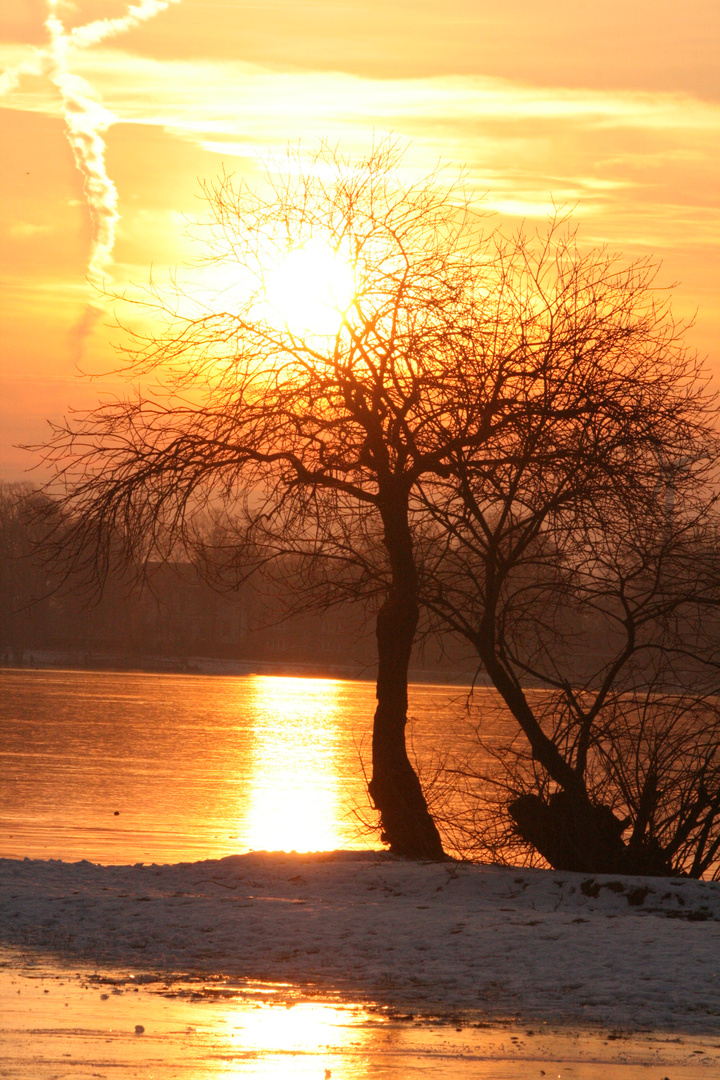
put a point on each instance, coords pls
(123, 768)
(61, 1024)
(134, 767)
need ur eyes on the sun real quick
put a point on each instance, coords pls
(311, 289)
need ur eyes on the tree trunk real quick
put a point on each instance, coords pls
(406, 823)
(567, 829)
(573, 834)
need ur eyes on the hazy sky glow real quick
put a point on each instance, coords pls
(110, 112)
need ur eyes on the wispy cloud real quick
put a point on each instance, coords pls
(606, 152)
(222, 96)
(28, 229)
(208, 94)
(32, 63)
(616, 155)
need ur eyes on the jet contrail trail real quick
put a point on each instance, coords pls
(86, 121)
(94, 32)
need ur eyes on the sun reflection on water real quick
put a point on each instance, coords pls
(303, 1028)
(302, 1040)
(294, 801)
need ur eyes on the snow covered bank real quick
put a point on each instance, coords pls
(626, 952)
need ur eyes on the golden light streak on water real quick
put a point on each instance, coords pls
(295, 796)
(303, 1040)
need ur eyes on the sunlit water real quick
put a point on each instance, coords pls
(138, 768)
(55, 1023)
(122, 767)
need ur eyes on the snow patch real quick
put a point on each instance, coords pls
(628, 952)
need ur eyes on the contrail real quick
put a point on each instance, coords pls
(94, 32)
(86, 121)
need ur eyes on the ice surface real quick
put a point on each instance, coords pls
(87, 1025)
(631, 953)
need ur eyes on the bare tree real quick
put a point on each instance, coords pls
(576, 554)
(303, 440)
(474, 428)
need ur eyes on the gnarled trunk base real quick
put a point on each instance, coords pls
(581, 837)
(405, 820)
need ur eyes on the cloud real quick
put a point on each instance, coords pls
(523, 145)
(219, 95)
(32, 63)
(26, 229)
(617, 155)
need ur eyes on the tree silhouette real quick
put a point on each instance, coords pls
(304, 439)
(575, 552)
(470, 426)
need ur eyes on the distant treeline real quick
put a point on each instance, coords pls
(175, 615)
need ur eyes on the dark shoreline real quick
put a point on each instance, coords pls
(78, 660)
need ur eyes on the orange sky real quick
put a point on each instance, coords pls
(612, 109)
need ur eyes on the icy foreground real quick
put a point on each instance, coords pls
(628, 952)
